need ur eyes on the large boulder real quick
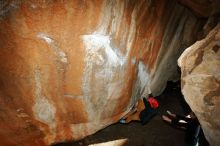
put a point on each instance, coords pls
(200, 66)
(71, 68)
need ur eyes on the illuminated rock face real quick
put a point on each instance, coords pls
(200, 65)
(71, 68)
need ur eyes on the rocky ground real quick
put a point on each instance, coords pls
(155, 133)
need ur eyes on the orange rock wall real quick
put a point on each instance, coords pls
(70, 68)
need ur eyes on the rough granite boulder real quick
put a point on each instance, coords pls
(200, 66)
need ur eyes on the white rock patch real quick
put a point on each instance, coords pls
(61, 55)
(43, 110)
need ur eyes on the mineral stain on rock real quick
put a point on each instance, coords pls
(61, 55)
(216, 48)
(43, 110)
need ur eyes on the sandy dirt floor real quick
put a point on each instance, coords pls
(154, 133)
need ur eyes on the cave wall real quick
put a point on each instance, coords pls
(203, 8)
(200, 66)
(71, 68)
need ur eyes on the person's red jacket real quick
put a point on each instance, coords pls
(153, 102)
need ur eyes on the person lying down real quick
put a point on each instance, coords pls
(145, 110)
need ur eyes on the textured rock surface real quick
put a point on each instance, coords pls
(70, 68)
(203, 8)
(200, 65)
